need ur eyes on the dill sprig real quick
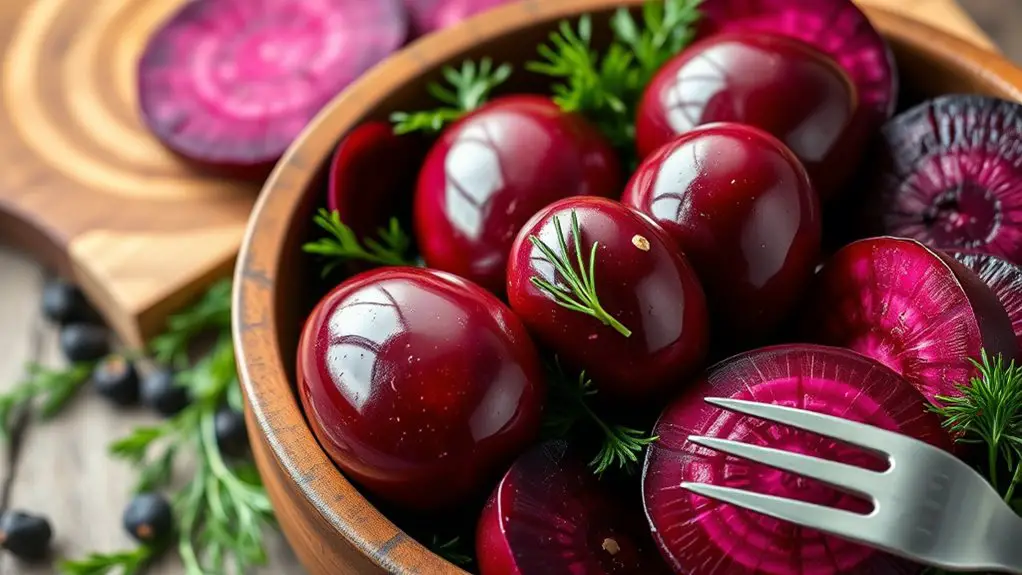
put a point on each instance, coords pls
(212, 312)
(580, 293)
(44, 390)
(469, 87)
(391, 249)
(607, 87)
(989, 411)
(221, 511)
(452, 550)
(569, 406)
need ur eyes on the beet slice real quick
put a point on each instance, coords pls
(915, 310)
(1003, 278)
(431, 15)
(364, 195)
(706, 536)
(229, 84)
(949, 174)
(835, 27)
(550, 514)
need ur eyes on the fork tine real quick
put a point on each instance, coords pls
(827, 519)
(841, 475)
(853, 432)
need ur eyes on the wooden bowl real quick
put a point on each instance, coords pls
(332, 528)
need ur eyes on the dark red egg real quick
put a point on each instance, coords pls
(782, 85)
(741, 207)
(420, 385)
(492, 170)
(652, 329)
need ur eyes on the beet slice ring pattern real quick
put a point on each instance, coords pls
(1004, 279)
(915, 310)
(949, 174)
(836, 27)
(229, 84)
(701, 535)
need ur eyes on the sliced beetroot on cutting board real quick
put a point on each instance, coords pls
(705, 536)
(836, 27)
(550, 514)
(229, 84)
(1004, 278)
(432, 15)
(915, 310)
(949, 174)
(372, 177)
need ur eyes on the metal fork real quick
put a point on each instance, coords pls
(929, 506)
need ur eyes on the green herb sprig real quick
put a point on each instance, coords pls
(469, 88)
(989, 411)
(607, 87)
(211, 312)
(220, 513)
(451, 550)
(391, 249)
(580, 292)
(44, 390)
(620, 445)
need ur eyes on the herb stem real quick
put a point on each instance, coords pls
(992, 451)
(1015, 478)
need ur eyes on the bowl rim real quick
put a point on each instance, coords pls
(268, 392)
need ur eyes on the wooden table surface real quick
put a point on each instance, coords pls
(62, 469)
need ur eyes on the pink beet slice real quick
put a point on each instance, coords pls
(1004, 278)
(949, 175)
(701, 535)
(229, 84)
(550, 514)
(431, 15)
(835, 27)
(373, 170)
(915, 310)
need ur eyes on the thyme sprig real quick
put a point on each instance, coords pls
(580, 292)
(468, 88)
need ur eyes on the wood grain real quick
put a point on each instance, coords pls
(64, 471)
(85, 187)
(332, 527)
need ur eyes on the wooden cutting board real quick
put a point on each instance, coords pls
(86, 189)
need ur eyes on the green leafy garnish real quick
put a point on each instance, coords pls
(451, 550)
(607, 87)
(211, 312)
(44, 390)
(620, 445)
(470, 87)
(989, 411)
(580, 293)
(221, 511)
(122, 563)
(390, 250)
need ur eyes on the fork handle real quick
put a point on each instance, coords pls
(1005, 541)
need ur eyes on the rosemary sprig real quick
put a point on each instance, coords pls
(620, 446)
(211, 312)
(607, 87)
(580, 293)
(989, 411)
(123, 562)
(470, 87)
(47, 390)
(390, 250)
